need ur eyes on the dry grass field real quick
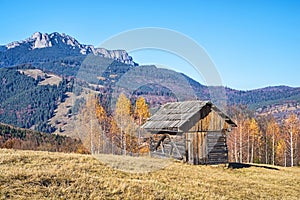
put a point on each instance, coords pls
(44, 175)
(49, 78)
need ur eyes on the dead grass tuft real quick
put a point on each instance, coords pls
(133, 164)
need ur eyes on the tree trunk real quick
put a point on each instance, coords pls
(103, 140)
(241, 146)
(99, 143)
(140, 122)
(292, 148)
(248, 148)
(273, 149)
(235, 148)
(285, 157)
(91, 136)
(296, 151)
(123, 142)
(130, 142)
(252, 149)
(125, 145)
(112, 144)
(266, 142)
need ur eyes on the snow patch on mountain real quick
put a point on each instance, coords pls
(13, 45)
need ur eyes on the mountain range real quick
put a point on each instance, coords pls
(41, 74)
(57, 43)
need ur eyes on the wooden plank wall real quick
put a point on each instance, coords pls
(205, 141)
(216, 148)
(196, 148)
(172, 146)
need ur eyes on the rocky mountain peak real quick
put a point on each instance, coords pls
(40, 40)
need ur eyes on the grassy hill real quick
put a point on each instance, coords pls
(44, 175)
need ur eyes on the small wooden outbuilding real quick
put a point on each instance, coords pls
(194, 131)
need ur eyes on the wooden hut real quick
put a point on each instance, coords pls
(194, 131)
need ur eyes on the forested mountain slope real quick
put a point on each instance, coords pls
(26, 102)
(17, 138)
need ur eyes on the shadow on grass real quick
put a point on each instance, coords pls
(244, 165)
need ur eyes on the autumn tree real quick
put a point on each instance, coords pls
(234, 138)
(272, 132)
(262, 139)
(246, 130)
(254, 132)
(237, 139)
(115, 135)
(250, 128)
(103, 122)
(281, 157)
(141, 113)
(100, 113)
(123, 118)
(292, 128)
(131, 140)
(87, 126)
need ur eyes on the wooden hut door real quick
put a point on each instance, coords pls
(201, 147)
(196, 148)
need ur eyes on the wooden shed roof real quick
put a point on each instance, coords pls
(173, 116)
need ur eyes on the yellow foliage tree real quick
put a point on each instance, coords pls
(141, 110)
(254, 131)
(87, 126)
(131, 139)
(246, 129)
(281, 153)
(237, 140)
(123, 118)
(116, 142)
(292, 126)
(141, 113)
(103, 120)
(273, 132)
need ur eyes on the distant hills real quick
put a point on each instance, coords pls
(30, 98)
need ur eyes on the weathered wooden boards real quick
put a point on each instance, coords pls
(194, 131)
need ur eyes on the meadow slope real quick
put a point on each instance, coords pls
(45, 175)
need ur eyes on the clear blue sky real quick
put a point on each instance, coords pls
(252, 43)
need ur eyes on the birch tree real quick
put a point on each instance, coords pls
(281, 157)
(237, 136)
(122, 117)
(103, 120)
(254, 131)
(141, 113)
(292, 127)
(273, 132)
(115, 135)
(87, 127)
